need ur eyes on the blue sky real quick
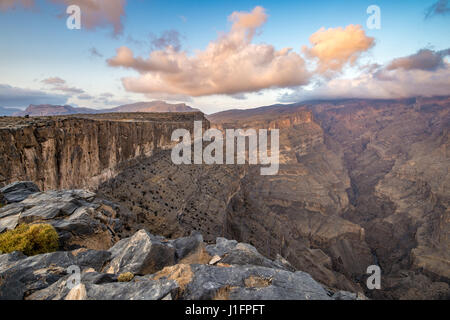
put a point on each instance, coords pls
(36, 45)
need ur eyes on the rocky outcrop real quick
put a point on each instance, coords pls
(17, 191)
(84, 150)
(183, 268)
(80, 219)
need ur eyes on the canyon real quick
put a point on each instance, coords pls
(360, 182)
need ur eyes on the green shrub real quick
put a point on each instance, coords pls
(31, 239)
(125, 277)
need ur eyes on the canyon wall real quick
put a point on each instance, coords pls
(84, 150)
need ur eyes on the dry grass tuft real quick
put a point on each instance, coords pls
(125, 277)
(199, 256)
(181, 273)
(257, 282)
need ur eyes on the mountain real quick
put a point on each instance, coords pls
(55, 110)
(8, 111)
(52, 110)
(378, 167)
(154, 106)
(361, 182)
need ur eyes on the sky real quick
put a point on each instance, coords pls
(218, 55)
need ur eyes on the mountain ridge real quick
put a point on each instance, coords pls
(58, 110)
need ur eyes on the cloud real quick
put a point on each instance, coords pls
(13, 4)
(334, 48)
(441, 7)
(168, 38)
(55, 81)
(229, 65)
(402, 78)
(85, 96)
(20, 97)
(424, 59)
(59, 84)
(94, 13)
(106, 95)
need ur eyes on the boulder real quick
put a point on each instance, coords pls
(221, 247)
(141, 254)
(234, 253)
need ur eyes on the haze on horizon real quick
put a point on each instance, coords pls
(220, 55)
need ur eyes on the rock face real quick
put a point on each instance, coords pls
(361, 182)
(181, 268)
(83, 150)
(367, 185)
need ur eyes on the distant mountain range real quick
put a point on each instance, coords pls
(54, 110)
(8, 111)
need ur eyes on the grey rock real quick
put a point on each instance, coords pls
(11, 209)
(135, 290)
(187, 245)
(244, 257)
(9, 223)
(98, 278)
(18, 191)
(79, 218)
(221, 247)
(344, 295)
(22, 276)
(141, 254)
(235, 253)
(7, 260)
(252, 283)
(98, 287)
(60, 289)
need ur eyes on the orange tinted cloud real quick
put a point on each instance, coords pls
(231, 64)
(11, 4)
(336, 47)
(94, 13)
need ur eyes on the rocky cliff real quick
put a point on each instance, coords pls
(140, 267)
(82, 150)
(361, 182)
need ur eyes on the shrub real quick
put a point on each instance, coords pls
(30, 239)
(125, 277)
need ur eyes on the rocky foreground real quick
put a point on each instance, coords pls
(93, 237)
